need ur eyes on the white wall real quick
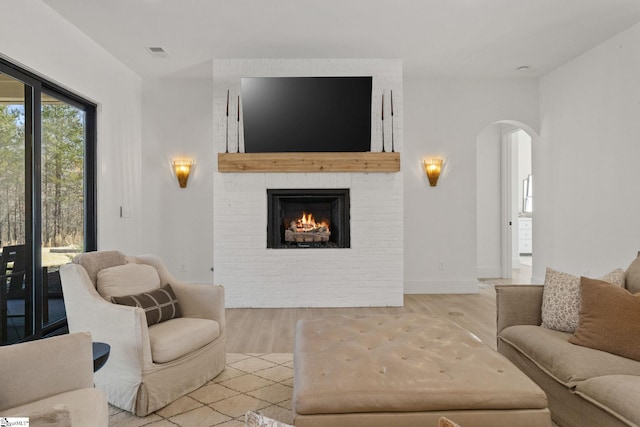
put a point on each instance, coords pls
(489, 212)
(584, 164)
(586, 167)
(61, 53)
(443, 118)
(178, 225)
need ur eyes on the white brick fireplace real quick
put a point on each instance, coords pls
(370, 272)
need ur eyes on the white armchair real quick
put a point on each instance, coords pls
(149, 366)
(51, 382)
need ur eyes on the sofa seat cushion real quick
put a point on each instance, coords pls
(177, 337)
(567, 363)
(85, 407)
(616, 394)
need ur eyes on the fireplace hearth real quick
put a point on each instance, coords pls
(308, 218)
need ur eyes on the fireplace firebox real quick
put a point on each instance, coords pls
(308, 218)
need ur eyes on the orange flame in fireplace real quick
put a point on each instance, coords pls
(308, 223)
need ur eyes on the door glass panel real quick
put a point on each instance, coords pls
(62, 160)
(16, 307)
(47, 199)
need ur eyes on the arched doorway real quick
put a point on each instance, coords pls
(504, 190)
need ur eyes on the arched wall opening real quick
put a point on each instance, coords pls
(504, 171)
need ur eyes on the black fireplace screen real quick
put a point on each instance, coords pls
(308, 218)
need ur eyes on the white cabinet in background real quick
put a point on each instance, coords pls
(525, 234)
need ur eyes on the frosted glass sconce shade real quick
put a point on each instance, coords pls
(182, 169)
(433, 167)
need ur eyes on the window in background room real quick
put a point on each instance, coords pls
(47, 199)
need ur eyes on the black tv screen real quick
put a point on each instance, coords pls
(306, 114)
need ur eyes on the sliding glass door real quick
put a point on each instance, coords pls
(16, 299)
(61, 196)
(47, 199)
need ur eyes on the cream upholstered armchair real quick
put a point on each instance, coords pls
(50, 381)
(153, 361)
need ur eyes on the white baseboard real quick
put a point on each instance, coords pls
(489, 272)
(441, 287)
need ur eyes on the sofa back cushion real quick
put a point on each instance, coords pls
(632, 276)
(93, 262)
(127, 279)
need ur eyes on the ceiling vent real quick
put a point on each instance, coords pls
(158, 52)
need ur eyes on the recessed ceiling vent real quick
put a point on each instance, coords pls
(158, 52)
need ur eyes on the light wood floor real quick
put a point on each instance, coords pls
(271, 330)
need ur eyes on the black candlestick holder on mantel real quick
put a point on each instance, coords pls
(382, 118)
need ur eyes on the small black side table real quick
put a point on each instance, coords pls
(100, 354)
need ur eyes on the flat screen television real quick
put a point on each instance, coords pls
(306, 114)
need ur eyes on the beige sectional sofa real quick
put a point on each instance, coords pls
(584, 386)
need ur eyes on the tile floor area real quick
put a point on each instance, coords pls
(258, 382)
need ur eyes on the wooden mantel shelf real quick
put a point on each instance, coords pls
(309, 162)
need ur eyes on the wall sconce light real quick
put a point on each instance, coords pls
(432, 168)
(182, 168)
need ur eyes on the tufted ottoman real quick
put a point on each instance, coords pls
(406, 370)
